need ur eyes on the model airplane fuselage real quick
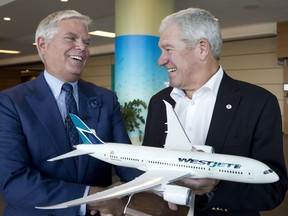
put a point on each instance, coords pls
(198, 164)
(163, 166)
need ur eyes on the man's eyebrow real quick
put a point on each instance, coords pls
(77, 36)
(70, 34)
(165, 46)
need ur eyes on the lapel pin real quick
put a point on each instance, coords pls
(228, 106)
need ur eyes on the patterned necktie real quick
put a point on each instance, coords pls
(71, 108)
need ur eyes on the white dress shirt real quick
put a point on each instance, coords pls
(195, 114)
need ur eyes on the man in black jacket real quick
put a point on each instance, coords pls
(232, 116)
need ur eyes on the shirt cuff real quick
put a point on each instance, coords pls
(82, 210)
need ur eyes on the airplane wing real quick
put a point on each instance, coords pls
(146, 181)
(73, 153)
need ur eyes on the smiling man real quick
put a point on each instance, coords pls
(214, 109)
(34, 126)
(66, 52)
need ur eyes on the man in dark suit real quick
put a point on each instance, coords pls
(232, 116)
(32, 127)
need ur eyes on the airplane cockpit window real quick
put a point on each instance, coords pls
(268, 171)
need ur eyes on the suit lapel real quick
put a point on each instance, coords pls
(90, 115)
(225, 108)
(88, 109)
(50, 118)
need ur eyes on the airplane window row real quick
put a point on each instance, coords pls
(131, 159)
(178, 165)
(124, 158)
(230, 171)
(112, 156)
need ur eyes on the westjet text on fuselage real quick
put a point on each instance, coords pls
(209, 163)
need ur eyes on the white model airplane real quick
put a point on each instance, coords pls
(163, 166)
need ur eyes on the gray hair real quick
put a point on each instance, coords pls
(48, 26)
(196, 24)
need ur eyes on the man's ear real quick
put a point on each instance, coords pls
(204, 49)
(41, 45)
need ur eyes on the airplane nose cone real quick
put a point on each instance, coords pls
(271, 177)
(274, 177)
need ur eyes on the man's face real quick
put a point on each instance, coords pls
(65, 56)
(179, 61)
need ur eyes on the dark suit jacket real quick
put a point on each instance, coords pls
(32, 131)
(251, 128)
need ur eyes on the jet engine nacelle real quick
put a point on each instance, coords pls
(177, 194)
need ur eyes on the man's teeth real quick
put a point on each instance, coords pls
(79, 58)
(171, 70)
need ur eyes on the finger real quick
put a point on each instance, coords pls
(172, 206)
(93, 212)
(194, 149)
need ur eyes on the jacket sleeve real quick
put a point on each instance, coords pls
(23, 184)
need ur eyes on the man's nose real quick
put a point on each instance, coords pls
(80, 45)
(162, 60)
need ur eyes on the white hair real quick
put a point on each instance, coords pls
(196, 24)
(48, 26)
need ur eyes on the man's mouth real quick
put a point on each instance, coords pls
(78, 58)
(171, 70)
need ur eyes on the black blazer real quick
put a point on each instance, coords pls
(251, 128)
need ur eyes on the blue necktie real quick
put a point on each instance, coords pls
(71, 108)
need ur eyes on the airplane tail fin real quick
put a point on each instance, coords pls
(175, 131)
(176, 136)
(87, 135)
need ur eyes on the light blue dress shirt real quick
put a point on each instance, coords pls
(56, 88)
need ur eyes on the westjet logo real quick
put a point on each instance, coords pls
(210, 163)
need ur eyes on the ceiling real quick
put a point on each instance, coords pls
(18, 34)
